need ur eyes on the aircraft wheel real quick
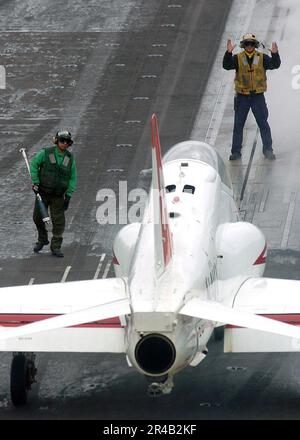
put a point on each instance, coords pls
(219, 333)
(22, 375)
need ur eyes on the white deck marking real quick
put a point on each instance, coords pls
(106, 270)
(99, 267)
(66, 273)
(288, 222)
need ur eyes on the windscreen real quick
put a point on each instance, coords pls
(194, 150)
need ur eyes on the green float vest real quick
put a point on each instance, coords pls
(250, 78)
(54, 178)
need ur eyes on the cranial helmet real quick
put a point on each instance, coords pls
(63, 134)
(249, 37)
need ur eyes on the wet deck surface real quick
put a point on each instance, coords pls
(101, 74)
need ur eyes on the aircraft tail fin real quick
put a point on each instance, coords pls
(162, 233)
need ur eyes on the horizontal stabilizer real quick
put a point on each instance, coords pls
(106, 299)
(213, 311)
(96, 313)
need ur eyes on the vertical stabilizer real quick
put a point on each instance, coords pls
(162, 234)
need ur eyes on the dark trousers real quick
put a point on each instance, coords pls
(242, 105)
(56, 206)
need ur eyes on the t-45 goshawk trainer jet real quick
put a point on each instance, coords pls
(189, 267)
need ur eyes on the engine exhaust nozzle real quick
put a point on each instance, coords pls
(155, 354)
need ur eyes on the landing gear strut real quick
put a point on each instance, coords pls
(219, 333)
(156, 389)
(22, 376)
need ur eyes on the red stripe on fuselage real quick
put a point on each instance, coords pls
(15, 320)
(262, 257)
(115, 260)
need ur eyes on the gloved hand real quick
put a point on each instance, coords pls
(35, 189)
(66, 202)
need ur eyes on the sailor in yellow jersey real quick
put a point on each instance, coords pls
(250, 84)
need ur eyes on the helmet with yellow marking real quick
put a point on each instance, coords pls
(249, 39)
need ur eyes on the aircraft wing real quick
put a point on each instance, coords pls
(265, 316)
(75, 316)
(269, 296)
(272, 298)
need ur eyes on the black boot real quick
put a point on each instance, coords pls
(269, 154)
(235, 156)
(39, 246)
(57, 253)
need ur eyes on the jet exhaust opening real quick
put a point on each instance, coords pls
(155, 354)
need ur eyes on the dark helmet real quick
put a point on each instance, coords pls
(249, 38)
(64, 135)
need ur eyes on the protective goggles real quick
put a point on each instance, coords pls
(249, 43)
(64, 140)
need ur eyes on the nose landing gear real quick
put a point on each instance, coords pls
(22, 376)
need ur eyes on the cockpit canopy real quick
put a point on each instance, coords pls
(199, 151)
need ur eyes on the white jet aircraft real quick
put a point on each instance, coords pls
(189, 267)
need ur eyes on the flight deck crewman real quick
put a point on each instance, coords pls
(250, 85)
(53, 173)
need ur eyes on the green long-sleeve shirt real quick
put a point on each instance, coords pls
(39, 158)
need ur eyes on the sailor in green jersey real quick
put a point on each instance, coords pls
(53, 174)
